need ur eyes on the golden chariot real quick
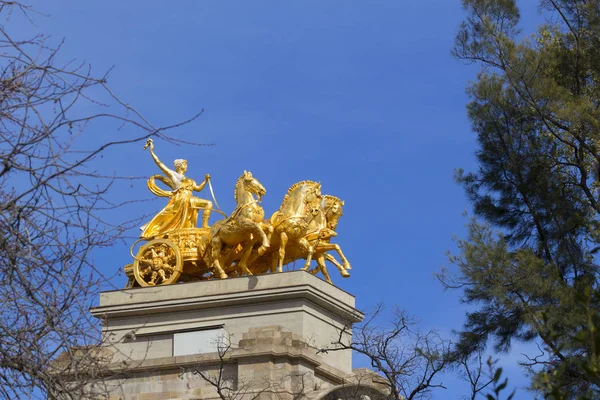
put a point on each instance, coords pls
(172, 249)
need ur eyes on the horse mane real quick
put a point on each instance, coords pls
(238, 187)
(332, 199)
(292, 188)
(329, 202)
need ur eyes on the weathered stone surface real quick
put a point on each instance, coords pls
(275, 324)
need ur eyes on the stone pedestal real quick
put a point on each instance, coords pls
(242, 336)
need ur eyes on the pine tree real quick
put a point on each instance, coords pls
(532, 247)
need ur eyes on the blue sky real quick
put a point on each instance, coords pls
(363, 96)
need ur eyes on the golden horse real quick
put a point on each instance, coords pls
(322, 229)
(243, 229)
(290, 223)
(321, 221)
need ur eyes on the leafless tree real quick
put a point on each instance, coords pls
(51, 208)
(216, 373)
(219, 371)
(408, 360)
(471, 370)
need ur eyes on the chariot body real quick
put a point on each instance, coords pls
(176, 256)
(174, 250)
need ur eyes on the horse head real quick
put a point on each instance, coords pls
(332, 207)
(298, 198)
(314, 209)
(248, 185)
(313, 193)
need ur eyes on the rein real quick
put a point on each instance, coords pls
(239, 209)
(212, 193)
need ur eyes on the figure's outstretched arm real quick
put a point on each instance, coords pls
(170, 173)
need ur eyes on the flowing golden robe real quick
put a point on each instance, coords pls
(180, 212)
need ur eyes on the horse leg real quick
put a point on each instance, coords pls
(338, 249)
(247, 225)
(309, 249)
(268, 229)
(320, 262)
(215, 248)
(243, 264)
(339, 266)
(264, 240)
(323, 268)
(283, 239)
(256, 235)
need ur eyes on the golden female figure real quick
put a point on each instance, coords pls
(182, 209)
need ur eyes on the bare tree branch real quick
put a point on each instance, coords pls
(410, 361)
(53, 211)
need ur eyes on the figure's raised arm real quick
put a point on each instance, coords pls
(170, 173)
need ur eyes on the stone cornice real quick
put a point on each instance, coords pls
(228, 293)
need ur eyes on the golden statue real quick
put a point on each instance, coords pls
(244, 228)
(311, 239)
(291, 222)
(182, 209)
(244, 243)
(323, 229)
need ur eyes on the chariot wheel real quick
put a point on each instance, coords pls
(158, 262)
